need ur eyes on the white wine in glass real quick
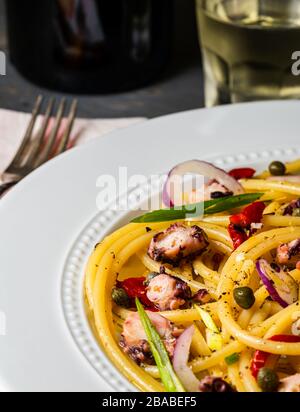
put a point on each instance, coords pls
(248, 49)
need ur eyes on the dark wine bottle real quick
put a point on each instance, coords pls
(90, 46)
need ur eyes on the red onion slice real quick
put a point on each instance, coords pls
(286, 178)
(180, 361)
(280, 285)
(202, 168)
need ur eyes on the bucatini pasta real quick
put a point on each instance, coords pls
(222, 292)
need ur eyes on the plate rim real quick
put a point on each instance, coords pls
(47, 172)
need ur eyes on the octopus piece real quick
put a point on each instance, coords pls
(292, 209)
(177, 242)
(214, 384)
(288, 253)
(214, 190)
(202, 297)
(167, 292)
(134, 340)
(211, 190)
(290, 384)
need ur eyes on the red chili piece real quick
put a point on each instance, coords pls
(135, 288)
(260, 357)
(237, 234)
(242, 173)
(240, 224)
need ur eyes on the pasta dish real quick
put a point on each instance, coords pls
(210, 303)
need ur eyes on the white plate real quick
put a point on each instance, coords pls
(49, 224)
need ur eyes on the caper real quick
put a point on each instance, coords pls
(149, 277)
(244, 297)
(277, 168)
(267, 380)
(120, 297)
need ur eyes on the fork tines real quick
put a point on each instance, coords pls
(51, 139)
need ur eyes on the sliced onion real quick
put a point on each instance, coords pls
(202, 168)
(286, 178)
(180, 361)
(281, 286)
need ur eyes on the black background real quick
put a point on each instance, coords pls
(179, 89)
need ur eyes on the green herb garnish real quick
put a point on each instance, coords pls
(159, 352)
(208, 206)
(231, 359)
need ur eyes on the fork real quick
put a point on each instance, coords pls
(36, 150)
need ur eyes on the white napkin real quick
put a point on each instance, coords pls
(13, 126)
